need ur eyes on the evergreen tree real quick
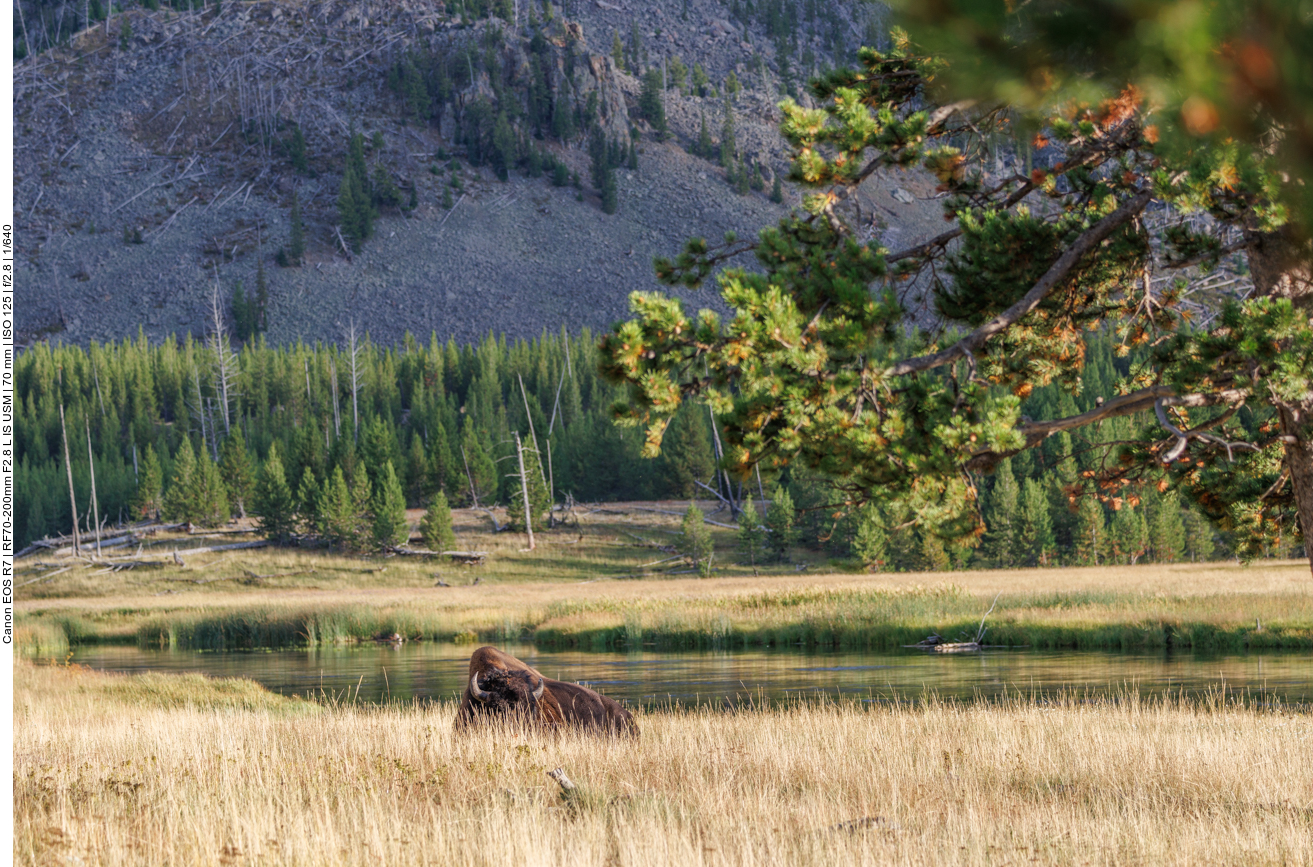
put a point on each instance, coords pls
(273, 502)
(780, 520)
(355, 206)
(777, 191)
(676, 74)
(728, 147)
(696, 541)
(1090, 540)
(652, 103)
(871, 541)
(235, 470)
(146, 501)
(610, 192)
(260, 309)
(539, 499)
(1034, 536)
(336, 518)
(562, 119)
(1000, 513)
(1129, 535)
(243, 312)
(445, 471)
(1199, 544)
(307, 501)
(618, 53)
(297, 152)
(207, 500)
(700, 80)
(704, 147)
(177, 499)
(1166, 529)
(479, 469)
(389, 507)
(436, 525)
(752, 534)
(686, 453)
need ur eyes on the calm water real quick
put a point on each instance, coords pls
(438, 671)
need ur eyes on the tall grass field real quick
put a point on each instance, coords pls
(165, 770)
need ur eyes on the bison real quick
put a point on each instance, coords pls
(503, 687)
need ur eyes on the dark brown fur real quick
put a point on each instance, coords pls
(510, 685)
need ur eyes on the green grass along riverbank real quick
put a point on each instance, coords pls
(668, 618)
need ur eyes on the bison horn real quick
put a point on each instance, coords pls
(479, 694)
(542, 687)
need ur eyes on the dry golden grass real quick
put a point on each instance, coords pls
(112, 771)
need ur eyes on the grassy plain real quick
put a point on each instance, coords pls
(601, 583)
(164, 770)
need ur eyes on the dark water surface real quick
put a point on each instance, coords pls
(438, 671)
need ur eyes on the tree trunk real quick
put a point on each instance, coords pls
(1281, 263)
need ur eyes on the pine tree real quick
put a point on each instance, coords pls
(1199, 535)
(610, 192)
(436, 525)
(652, 103)
(150, 482)
(1129, 535)
(335, 517)
(1166, 529)
(273, 501)
(539, 500)
(297, 152)
(728, 146)
(1000, 513)
(752, 534)
(777, 191)
(618, 53)
(696, 541)
(781, 518)
(871, 541)
(307, 500)
(1034, 537)
(235, 470)
(563, 118)
(686, 453)
(479, 470)
(389, 507)
(177, 503)
(207, 498)
(355, 206)
(704, 148)
(1090, 536)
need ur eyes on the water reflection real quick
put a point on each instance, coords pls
(438, 671)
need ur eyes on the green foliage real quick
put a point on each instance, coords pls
(781, 520)
(871, 543)
(245, 314)
(355, 204)
(540, 501)
(436, 525)
(236, 471)
(1034, 526)
(296, 151)
(652, 103)
(700, 80)
(752, 533)
(695, 543)
(704, 148)
(618, 53)
(676, 74)
(148, 498)
(389, 511)
(728, 147)
(273, 502)
(776, 191)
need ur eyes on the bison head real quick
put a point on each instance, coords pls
(511, 694)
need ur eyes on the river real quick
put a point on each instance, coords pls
(376, 673)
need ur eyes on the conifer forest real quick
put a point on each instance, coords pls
(191, 430)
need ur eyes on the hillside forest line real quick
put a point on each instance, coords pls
(185, 429)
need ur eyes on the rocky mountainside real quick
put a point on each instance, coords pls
(158, 154)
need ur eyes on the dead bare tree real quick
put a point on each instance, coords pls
(68, 465)
(524, 490)
(225, 362)
(353, 344)
(95, 504)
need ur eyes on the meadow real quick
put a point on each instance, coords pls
(167, 770)
(611, 580)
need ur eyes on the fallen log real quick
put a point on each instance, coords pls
(469, 558)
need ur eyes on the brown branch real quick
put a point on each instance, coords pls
(1058, 272)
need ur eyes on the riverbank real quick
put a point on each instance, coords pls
(282, 781)
(1202, 607)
